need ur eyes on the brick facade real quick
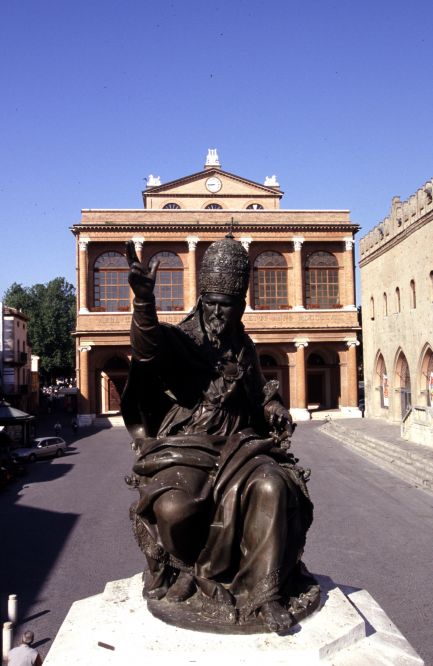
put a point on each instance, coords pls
(310, 348)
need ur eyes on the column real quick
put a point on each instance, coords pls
(300, 412)
(83, 274)
(349, 295)
(246, 242)
(192, 271)
(84, 416)
(297, 274)
(138, 243)
(352, 375)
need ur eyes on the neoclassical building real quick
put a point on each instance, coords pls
(397, 305)
(301, 309)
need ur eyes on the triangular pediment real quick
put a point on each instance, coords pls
(198, 183)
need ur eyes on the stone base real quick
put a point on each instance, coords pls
(299, 414)
(116, 628)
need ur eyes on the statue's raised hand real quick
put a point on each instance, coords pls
(141, 277)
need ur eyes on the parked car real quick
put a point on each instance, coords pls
(41, 447)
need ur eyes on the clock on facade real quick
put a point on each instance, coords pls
(213, 184)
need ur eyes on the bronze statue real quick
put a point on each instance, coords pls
(223, 508)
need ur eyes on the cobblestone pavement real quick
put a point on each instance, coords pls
(66, 532)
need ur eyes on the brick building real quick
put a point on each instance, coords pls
(300, 304)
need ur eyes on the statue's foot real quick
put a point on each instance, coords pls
(275, 616)
(182, 588)
(156, 593)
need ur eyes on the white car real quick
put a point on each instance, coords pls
(41, 447)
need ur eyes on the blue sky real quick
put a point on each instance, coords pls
(334, 97)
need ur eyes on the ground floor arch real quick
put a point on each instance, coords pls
(402, 384)
(111, 382)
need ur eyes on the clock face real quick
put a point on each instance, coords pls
(213, 184)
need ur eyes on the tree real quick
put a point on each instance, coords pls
(50, 308)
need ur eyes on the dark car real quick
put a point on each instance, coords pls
(41, 447)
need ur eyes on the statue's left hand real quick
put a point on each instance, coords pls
(278, 416)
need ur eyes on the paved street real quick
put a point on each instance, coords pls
(65, 532)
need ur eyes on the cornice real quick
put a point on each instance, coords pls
(206, 226)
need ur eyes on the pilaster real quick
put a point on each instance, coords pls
(298, 277)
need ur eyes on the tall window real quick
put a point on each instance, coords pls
(270, 282)
(385, 304)
(169, 281)
(372, 308)
(110, 283)
(412, 294)
(321, 281)
(397, 300)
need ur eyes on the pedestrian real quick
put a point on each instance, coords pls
(74, 424)
(25, 654)
(57, 428)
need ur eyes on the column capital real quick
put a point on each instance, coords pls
(83, 243)
(192, 242)
(246, 242)
(301, 343)
(349, 243)
(85, 348)
(297, 243)
(138, 242)
(352, 342)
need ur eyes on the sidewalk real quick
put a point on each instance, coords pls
(381, 443)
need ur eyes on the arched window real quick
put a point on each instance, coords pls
(385, 304)
(428, 386)
(372, 308)
(321, 281)
(382, 382)
(255, 206)
(431, 286)
(397, 300)
(412, 294)
(213, 206)
(110, 283)
(169, 281)
(270, 282)
(171, 206)
(403, 384)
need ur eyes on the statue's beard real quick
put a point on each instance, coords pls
(215, 329)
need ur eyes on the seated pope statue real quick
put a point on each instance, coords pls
(223, 509)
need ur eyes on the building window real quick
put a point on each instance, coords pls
(255, 206)
(372, 308)
(429, 379)
(171, 206)
(270, 282)
(383, 384)
(385, 304)
(397, 300)
(169, 281)
(321, 281)
(110, 283)
(403, 376)
(213, 206)
(412, 294)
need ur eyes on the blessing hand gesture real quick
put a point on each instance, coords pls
(141, 278)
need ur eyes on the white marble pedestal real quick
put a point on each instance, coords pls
(115, 628)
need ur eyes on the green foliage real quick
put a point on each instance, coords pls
(51, 311)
